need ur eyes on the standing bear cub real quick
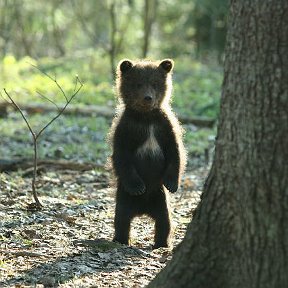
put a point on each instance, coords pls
(148, 153)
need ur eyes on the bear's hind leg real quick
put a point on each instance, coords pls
(161, 215)
(162, 231)
(122, 221)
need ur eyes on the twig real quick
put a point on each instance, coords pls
(21, 112)
(61, 110)
(5, 98)
(52, 79)
(35, 136)
(46, 98)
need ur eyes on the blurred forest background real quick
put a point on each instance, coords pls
(87, 38)
(65, 38)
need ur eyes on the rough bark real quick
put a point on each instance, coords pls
(239, 234)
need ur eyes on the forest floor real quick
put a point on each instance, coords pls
(68, 242)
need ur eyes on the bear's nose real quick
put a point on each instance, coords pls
(148, 98)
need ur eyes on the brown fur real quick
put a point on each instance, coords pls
(148, 154)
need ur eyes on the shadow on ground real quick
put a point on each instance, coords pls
(101, 256)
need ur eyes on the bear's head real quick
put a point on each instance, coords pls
(144, 85)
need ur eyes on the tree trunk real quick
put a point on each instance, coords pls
(239, 233)
(149, 17)
(112, 50)
(58, 37)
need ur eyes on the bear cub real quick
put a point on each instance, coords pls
(148, 155)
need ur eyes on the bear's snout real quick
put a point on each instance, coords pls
(148, 98)
(148, 101)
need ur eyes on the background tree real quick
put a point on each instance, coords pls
(149, 17)
(209, 20)
(56, 27)
(7, 21)
(114, 28)
(239, 234)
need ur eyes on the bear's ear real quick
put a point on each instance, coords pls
(125, 65)
(167, 65)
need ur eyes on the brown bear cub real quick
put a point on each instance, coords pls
(148, 153)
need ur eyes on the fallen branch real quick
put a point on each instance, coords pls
(203, 122)
(104, 111)
(8, 165)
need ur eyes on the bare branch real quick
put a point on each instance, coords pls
(4, 98)
(78, 80)
(35, 136)
(22, 114)
(46, 98)
(38, 204)
(53, 79)
(62, 109)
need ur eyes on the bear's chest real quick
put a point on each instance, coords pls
(150, 146)
(149, 159)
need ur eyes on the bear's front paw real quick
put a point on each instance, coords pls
(170, 183)
(135, 187)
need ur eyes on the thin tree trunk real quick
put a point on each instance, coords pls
(112, 50)
(7, 20)
(149, 16)
(26, 43)
(239, 234)
(58, 37)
